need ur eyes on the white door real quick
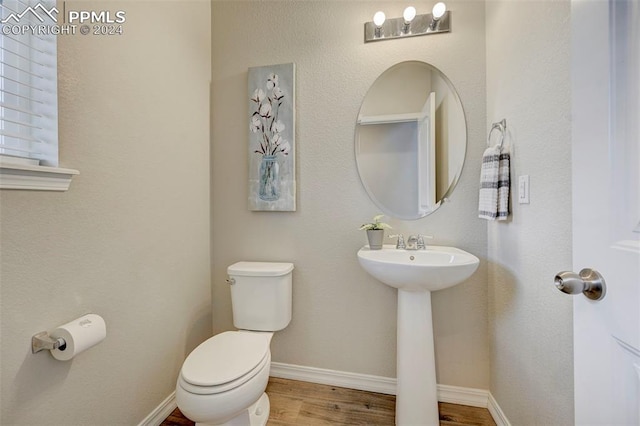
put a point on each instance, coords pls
(606, 211)
(426, 156)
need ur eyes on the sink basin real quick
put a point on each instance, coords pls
(435, 268)
(416, 273)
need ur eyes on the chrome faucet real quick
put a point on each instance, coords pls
(412, 242)
(416, 242)
(400, 243)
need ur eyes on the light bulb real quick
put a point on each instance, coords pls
(409, 14)
(438, 10)
(378, 18)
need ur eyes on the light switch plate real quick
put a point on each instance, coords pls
(523, 189)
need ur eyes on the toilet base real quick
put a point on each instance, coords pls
(256, 415)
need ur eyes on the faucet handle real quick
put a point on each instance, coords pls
(421, 245)
(400, 243)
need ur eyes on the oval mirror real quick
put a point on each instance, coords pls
(411, 139)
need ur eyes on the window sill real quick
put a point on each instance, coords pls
(35, 178)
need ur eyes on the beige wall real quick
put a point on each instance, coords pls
(130, 239)
(528, 83)
(342, 318)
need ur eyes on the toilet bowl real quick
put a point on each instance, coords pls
(223, 381)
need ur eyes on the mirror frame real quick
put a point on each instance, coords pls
(445, 197)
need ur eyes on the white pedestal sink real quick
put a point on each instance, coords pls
(416, 273)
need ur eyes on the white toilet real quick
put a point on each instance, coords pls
(222, 382)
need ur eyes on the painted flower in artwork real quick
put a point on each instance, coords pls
(272, 81)
(264, 120)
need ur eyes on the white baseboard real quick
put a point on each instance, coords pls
(463, 396)
(387, 385)
(161, 412)
(343, 379)
(496, 412)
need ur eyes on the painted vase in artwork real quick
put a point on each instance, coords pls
(269, 178)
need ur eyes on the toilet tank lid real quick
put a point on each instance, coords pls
(260, 269)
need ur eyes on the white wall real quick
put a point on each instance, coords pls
(528, 83)
(342, 318)
(387, 160)
(130, 239)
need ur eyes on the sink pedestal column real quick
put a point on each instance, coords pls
(416, 399)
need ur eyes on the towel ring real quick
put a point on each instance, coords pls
(502, 127)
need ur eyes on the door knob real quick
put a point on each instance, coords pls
(588, 282)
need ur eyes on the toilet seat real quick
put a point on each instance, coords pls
(225, 361)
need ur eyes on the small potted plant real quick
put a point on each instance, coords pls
(375, 232)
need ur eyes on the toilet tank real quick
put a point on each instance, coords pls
(261, 295)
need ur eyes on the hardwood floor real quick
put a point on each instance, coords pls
(295, 403)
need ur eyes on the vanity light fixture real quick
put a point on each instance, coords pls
(408, 15)
(409, 25)
(378, 21)
(438, 11)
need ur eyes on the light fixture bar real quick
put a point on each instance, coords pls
(395, 27)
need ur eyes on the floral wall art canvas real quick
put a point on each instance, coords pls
(272, 184)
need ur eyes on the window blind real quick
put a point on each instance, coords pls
(28, 82)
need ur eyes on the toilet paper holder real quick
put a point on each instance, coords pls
(42, 341)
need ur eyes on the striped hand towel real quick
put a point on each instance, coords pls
(494, 185)
(504, 184)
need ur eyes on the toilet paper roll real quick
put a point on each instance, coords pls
(79, 335)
